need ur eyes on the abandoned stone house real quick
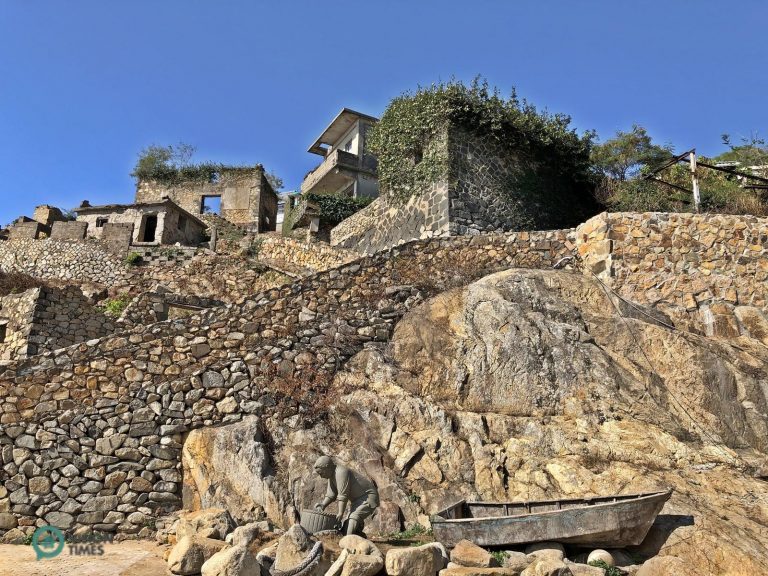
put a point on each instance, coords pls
(146, 223)
(348, 168)
(39, 225)
(483, 187)
(243, 196)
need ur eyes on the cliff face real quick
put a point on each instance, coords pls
(534, 384)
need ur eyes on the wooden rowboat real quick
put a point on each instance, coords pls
(606, 521)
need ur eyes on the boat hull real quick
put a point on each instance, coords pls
(608, 524)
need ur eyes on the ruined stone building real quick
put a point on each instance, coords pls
(481, 186)
(348, 168)
(243, 196)
(39, 225)
(145, 223)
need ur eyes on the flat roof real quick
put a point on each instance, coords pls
(337, 128)
(114, 207)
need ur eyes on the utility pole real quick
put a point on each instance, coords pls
(695, 180)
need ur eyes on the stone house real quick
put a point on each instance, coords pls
(347, 167)
(484, 187)
(39, 225)
(151, 223)
(243, 196)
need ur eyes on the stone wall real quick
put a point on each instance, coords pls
(312, 256)
(16, 312)
(25, 230)
(69, 230)
(247, 198)
(486, 188)
(706, 270)
(63, 260)
(117, 237)
(92, 434)
(159, 305)
(48, 318)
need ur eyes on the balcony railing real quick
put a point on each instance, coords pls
(336, 159)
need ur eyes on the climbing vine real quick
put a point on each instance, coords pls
(404, 139)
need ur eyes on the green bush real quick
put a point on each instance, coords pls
(608, 570)
(335, 208)
(408, 165)
(133, 259)
(116, 306)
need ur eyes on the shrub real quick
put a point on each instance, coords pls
(608, 570)
(133, 259)
(407, 165)
(116, 306)
(335, 208)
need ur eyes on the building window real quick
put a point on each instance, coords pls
(348, 146)
(182, 223)
(101, 221)
(211, 205)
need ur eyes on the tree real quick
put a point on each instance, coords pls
(752, 151)
(275, 181)
(625, 155)
(156, 159)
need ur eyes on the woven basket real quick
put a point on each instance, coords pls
(313, 521)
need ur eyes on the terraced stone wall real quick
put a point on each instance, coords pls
(92, 434)
(707, 270)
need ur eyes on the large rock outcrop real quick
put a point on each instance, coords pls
(531, 384)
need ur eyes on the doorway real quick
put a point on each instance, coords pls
(148, 228)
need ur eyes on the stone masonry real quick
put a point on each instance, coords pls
(247, 198)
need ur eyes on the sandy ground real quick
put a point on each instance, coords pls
(129, 558)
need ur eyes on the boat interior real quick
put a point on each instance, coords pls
(462, 510)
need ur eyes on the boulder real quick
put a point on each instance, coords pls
(245, 535)
(601, 555)
(296, 547)
(362, 558)
(578, 569)
(362, 565)
(14, 536)
(470, 571)
(8, 521)
(426, 560)
(516, 560)
(388, 519)
(546, 550)
(666, 566)
(234, 561)
(547, 567)
(466, 553)
(190, 553)
(209, 523)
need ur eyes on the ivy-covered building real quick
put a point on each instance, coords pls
(455, 160)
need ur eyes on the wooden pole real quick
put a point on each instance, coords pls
(695, 180)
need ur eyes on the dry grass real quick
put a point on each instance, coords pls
(17, 282)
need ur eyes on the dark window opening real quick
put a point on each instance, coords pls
(211, 205)
(3, 331)
(101, 221)
(182, 223)
(148, 228)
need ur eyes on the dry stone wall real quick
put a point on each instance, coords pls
(92, 434)
(706, 270)
(49, 318)
(63, 260)
(312, 256)
(160, 305)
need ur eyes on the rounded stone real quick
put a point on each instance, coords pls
(602, 555)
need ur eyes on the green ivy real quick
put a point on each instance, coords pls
(335, 208)
(412, 121)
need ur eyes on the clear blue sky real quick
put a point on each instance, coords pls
(85, 84)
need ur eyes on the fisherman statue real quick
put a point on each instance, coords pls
(346, 486)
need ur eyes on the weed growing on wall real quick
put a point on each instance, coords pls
(408, 164)
(116, 306)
